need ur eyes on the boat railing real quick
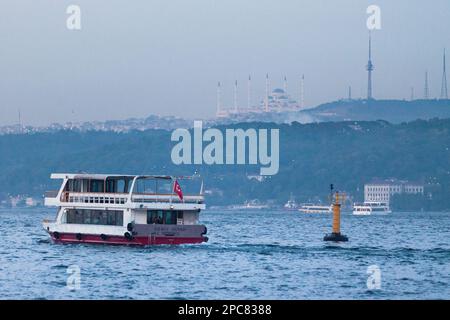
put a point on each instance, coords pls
(122, 198)
(166, 198)
(93, 197)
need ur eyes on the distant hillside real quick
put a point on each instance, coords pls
(394, 111)
(312, 156)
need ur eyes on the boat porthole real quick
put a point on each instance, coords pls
(104, 237)
(78, 236)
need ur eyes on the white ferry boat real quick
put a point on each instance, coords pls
(314, 208)
(369, 207)
(125, 209)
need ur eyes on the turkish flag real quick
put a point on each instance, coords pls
(177, 189)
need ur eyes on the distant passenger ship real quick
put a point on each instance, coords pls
(369, 207)
(250, 205)
(124, 209)
(314, 208)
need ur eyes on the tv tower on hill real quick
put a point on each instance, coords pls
(369, 71)
(444, 92)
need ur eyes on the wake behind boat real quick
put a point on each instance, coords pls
(124, 209)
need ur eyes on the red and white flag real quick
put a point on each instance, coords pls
(177, 189)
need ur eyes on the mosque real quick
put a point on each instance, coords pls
(277, 100)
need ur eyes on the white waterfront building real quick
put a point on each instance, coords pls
(382, 191)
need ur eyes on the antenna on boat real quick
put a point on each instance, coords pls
(330, 196)
(336, 235)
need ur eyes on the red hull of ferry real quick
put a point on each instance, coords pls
(118, 240)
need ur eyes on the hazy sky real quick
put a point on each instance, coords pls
(141, 57)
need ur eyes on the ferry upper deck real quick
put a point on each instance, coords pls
(125, 191)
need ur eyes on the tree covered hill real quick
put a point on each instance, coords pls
(312, 156)
(394, 111)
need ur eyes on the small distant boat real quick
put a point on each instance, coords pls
(250, 205)
(314, 208)
(291, 204)
(369, 207)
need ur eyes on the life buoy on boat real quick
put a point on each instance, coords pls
(56, 235)
(128, 236)
(130, 227)
(78, 236)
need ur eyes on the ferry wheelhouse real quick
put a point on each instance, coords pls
(369, 207)
(125, 209)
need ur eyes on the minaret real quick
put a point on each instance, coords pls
(235, 97)
(302, 92)
(249, 92)
(426, 92)
(349, 93)
(412, 93)
(444, 92)
(20, 121)
(369, 71)
(219, 111)
(285, 85)
(266, 102)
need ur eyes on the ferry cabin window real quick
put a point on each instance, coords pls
(98, 217)
(73, 185)
(163, 216)
(96, 186)
(145, 186)
(118, 185)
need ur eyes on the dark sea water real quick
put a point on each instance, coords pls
(250, 255)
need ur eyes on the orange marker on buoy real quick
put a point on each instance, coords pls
(336, 233)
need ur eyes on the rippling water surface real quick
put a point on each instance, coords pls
(250, 255)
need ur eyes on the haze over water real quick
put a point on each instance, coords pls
(165, 57)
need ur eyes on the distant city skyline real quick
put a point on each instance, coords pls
(166, 58)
